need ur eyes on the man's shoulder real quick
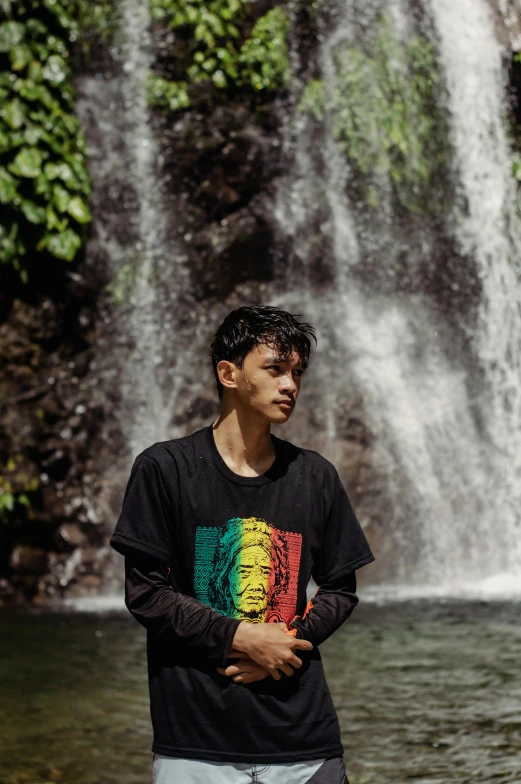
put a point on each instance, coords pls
(173, 449)
(310, 458)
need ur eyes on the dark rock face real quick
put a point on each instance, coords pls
(49, 419)
(220, 161)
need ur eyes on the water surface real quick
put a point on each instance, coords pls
(426, 691)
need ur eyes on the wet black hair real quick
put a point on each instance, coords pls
(250, 325)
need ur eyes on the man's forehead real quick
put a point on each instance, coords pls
(265, 352)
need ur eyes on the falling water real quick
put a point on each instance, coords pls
(452, 520)
(126, 163)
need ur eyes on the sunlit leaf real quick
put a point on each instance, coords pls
(11, 34)
(33, 212)
(14, 113)
(64, 245)
(27, 163)
(79, 210)
(7, 186)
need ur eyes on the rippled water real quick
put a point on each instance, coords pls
(426, 691)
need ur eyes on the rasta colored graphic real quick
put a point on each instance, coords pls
(248, 569)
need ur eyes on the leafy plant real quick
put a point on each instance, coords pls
(259, 62)
(44, 181)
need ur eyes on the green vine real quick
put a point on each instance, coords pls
(44, 181)
(259, 63)
(383, 113)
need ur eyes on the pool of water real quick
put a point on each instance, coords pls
(426, 692)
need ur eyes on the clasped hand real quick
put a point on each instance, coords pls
(247, 670)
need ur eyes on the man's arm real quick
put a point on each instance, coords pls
(329, 608)
(153, 602)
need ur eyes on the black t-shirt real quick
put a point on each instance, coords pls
(237, 548)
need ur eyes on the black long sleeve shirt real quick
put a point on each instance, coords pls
(153, 602)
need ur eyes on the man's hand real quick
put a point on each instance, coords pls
(266, 644)
(245, 670)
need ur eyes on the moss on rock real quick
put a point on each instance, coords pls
(383, 110)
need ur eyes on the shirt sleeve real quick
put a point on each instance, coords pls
(154, 603)
(146, 519)
(332, 604)
(344, 546)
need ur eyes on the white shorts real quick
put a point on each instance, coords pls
(178, 770)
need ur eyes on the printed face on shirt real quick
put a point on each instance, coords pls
(263, 381)
(248, 569)
(248, 579)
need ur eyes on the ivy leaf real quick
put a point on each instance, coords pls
(79, 210)
(14, 113)
(41, 184)
(60, 171)
(27, 163)
(20, 55)
(4, 142)
(219, 79)
(55, 69)
(8, 244)
(64, 245)
(33, 212)
(7, 186)
(11, 34)
(34, 72)
(36, 27)
(61, 197)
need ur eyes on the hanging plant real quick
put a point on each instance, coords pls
(44, 181)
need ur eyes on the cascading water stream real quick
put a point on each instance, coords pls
(488, 230)
(135, 239)
(125, 161)
(452, 517)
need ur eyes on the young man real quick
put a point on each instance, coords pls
(221, 531)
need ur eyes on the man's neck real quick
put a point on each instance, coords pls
(245, 447)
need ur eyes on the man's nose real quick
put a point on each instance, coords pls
(288, 385)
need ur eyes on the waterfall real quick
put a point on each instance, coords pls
(448, 450)
(416, 310)
(135, 236)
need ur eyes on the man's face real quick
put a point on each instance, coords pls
(265, 381)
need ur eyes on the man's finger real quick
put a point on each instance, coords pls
(303, 645)
(233, 654)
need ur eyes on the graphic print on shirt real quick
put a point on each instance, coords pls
(248, 569)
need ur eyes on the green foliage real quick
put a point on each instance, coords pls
(8, 504)
(44, 181)
(259, 63)
(15, 484)
(383, 112)
(167, 95)
(314, 99)
(263, 58)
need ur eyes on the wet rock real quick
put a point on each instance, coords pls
(28, 560)
(69, 536)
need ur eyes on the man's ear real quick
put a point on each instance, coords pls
(227, 371)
